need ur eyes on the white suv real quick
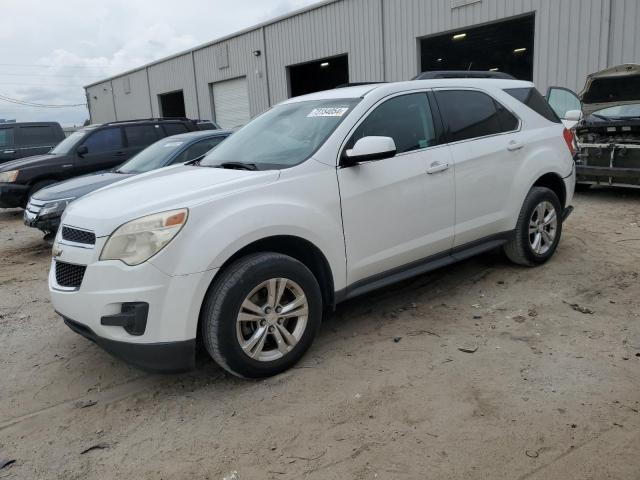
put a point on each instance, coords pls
(320, 199)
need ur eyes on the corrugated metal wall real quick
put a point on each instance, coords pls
(353, 27)
(132, 102)
(171, 75)
(241, 63)
(381, 37)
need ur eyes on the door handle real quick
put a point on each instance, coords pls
(437, 167)
(514, 146)
(120, 154)
(9, 151)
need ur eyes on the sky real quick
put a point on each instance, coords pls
(50, 49)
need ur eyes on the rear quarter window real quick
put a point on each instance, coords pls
(535, 101)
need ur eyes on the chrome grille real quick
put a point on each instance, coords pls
(69, 275)
(78, 236)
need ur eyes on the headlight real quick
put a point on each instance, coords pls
(9, 177)
(137, 241)
(55, 208)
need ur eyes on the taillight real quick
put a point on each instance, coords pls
(570, 140)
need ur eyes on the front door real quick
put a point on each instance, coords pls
(400, 209)
(105, 150)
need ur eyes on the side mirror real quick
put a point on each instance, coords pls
(82, 150)
(368, 149)
(573, 115)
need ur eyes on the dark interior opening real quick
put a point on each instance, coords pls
(172, 104)
(319, 75)
(505, 46)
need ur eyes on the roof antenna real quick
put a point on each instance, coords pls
(469, 69)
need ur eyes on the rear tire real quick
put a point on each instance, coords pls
(538, 230)
(261, 315)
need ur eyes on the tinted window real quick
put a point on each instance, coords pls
(6, 137)
(174, 128)
(198, 149)
(535, 101)
(107, 140)
(407, 119)
(471, 114)
(140, 135)
(37, 135)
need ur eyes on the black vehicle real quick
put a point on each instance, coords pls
(91, 149)
(46, 206)
(18, 140)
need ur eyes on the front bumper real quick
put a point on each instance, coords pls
(168, 357)
(12, 195)
(49, 224)
(173, 307)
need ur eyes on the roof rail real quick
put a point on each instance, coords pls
(463, 74)
(357, 84)
(156, 119)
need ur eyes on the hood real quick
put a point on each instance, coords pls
(611, 87)
(79, 186)
(26, 162)
(160, 190)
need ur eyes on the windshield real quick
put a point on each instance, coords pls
(152, 157)
(620, 111)
(66, 145)
(282, 137)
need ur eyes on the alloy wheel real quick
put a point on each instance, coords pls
(272, 319)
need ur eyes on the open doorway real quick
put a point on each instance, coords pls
(172, 104)
(318, 75)
(505, 46)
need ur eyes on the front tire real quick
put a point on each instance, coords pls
(261, 315)
(538, 230)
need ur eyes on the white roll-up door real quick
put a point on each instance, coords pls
(231, 102)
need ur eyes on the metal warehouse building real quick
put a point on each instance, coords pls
(230, 80)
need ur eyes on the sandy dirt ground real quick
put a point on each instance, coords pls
(552, 391)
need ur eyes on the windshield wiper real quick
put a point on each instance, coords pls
(237, 166)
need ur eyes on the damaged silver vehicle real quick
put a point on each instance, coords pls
(608, 133)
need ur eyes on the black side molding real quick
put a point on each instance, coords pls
(567, 211)
(423, 266)
(133, 318)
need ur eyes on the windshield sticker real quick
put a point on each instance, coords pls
(172, 144)
(328, 112)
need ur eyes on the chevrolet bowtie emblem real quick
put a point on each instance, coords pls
(56, 252)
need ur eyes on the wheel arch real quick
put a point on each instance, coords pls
(555, 183)
(296, 247)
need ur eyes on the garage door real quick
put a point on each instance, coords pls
(231, 102)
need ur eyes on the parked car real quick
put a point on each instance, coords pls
(91, 149)
(18, 140)
(608, 132)
(322, 198)
(45, 207)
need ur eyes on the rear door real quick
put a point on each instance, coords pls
(105, 151)
(486, 145)
(8, 148)
(139, 137)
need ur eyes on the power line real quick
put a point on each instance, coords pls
(75, 85)
(35, 65)
(47, 75)
(25, 103)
